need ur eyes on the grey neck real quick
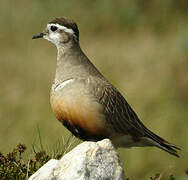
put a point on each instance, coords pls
(73, 63)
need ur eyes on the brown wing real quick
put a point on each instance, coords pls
(116, 109)
(122, 118)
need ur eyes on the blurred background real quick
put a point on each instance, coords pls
(140, 46)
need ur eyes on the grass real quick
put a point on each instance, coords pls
(141, 51)
(15, 166)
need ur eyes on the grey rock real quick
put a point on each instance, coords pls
(88, 161)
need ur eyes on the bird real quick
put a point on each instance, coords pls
(85, 102)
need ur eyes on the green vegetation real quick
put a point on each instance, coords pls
(13, 167)
(161, 177)
(21, 164)
(140, 46)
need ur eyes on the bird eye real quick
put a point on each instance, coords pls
(53, 28)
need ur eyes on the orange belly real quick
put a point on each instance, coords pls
(82, 111)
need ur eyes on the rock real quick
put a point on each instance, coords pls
(89, 160)
(46, 171)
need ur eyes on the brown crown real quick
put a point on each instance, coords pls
(67, 23)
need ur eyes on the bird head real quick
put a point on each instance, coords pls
(60, 31)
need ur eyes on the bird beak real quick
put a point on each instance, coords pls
(38, 36)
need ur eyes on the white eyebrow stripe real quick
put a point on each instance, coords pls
(63, 84)
(68, 30)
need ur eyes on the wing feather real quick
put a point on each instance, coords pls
(116, 109)
(123, 119)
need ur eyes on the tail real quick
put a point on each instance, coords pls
(159, 142)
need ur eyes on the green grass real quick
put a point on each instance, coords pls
(141, 49)
(15, 165)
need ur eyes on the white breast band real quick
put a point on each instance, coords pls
(63, 84)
